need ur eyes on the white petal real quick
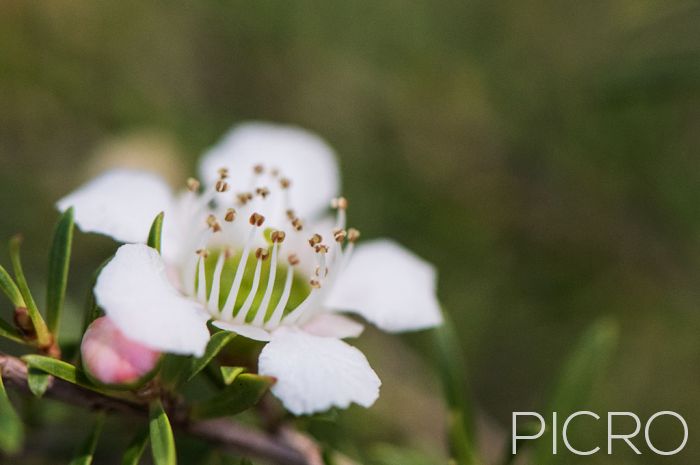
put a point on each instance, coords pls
(333, 325)
(389, 286)
(120, 203)
(249, 331)
(316, 373)
(135, 293)
(299, 155)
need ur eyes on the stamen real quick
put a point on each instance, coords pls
(297, 224)
(278, 236)
(201, 276)
(282, 304)
(221, 186)
(223, 172)
(339, 235)
(216, 283)
(340, 204)
(315, 240)
(227, 312)
(262, 309)
(321, 269)
(230, 215)
(256, 219)
(213, 223)
(353, 235)
(258, 169)
(244, 197)
(262, 192)
(261, 254)
(193, 185)
(285, 183)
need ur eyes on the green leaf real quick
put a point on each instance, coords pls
(459, 411)
(217, 342)
(38, 381)
(57, 368)
(245, 391)
(59, 263)
(87, 449)
(11, 427)
(161, 434)
(229, 374)
(583, 368)
(43, 335)
(10, 332)
(136, 448)
(154, 235)
(9, 288)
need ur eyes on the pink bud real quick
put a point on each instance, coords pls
(112, 358)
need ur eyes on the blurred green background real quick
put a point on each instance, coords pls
(543, 154)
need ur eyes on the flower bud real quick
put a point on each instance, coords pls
(109, 357)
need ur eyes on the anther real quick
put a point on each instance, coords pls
(258, 169)
(256, 219)
(339, 202)
(262, 254)
(293, 259)
(221, 186)
(213, 223)
(315, 240)
(204, 253)
(262, 192)
(230, 215)
(322, 249)
(290, 214)
(315, 283)
(274, 172)
(278, 236)
(353, 235)
(223, 173)
(285, 183)
(339, 235)
(244, 197)
(297, 224)
(228, 253)
(192, 185)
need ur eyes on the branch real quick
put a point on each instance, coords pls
(227, 434)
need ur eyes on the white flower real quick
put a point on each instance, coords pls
(254, 251)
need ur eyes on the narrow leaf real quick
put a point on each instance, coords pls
(11, 427)
(87, 449)
(52, 366)
(583, 368)
(9, 288)
(161, 434)
(38, 381)
(59, 263)
(229, 374)
(245, 391)
(10, 332)
(136, 448)
(70, 373)
(217, 342)
(156, 232)
(459, 412)
(42, 331)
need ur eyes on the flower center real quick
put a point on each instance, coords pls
(220, 268)
(245, 272)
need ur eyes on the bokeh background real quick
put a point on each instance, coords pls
(543, 154)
